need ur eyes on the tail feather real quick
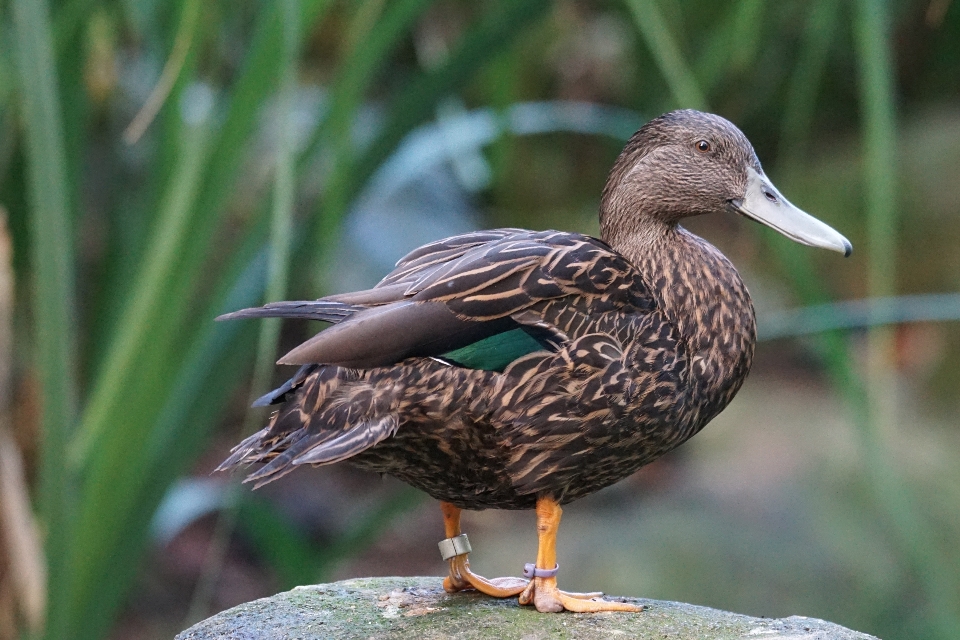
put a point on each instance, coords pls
(326, 447)
(281, 464)
(359, 438)
(330, 414)
(260, 447)
(280, 394)
(238, 455)
(324, 310)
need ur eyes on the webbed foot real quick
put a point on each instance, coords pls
(461, 577)
(547, 598)
(455, 549)
(540, 589)
(542, 592)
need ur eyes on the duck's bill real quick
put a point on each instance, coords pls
(766, 205)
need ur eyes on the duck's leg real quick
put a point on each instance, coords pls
(543, 591)
(460, 575)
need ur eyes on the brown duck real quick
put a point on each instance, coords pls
(514, 369)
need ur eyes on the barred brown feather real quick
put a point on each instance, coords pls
(652, 338)
(620, 391)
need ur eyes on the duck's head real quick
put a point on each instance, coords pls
(687, 163)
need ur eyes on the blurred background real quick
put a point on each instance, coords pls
(162, 162)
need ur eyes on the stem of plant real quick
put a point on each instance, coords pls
(284, 196)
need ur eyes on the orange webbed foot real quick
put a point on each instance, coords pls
(547, 598)
(541, 589)
(542, 592)
(456, 549)
(461, 578)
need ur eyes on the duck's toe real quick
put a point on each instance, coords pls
(461, 577)
(547, 598)
(583, 596)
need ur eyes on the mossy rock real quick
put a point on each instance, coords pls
(419, 608)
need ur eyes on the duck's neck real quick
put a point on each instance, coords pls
(702, 295)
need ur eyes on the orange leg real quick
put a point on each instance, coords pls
(543, 592)
(461, 577)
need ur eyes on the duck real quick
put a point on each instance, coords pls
(519, 369)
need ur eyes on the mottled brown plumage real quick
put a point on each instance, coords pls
(625, 386)
(638, 339)
(644, 341)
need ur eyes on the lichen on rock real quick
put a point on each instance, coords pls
(419, 608)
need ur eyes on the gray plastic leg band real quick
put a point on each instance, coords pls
(531, 570)
(452, 547)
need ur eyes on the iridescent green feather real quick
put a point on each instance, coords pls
(496, 352)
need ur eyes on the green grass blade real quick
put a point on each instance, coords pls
(132, 210)
(744, 34)
(874, 44)
(365, 532)
(69, 20)
(7, 82)
(185, 257)
(7, 99)
(804, 84)
(257, 81)
(134, 330)
(141, 457)
(204, 384)
(129, 357)
(176, 438)
(359, 71)
(284, 195)
(183, 45)
(870, 396)
(368, 55)
(113, 452)
(281, 232)
(297, 561)
(860, 314)
(733, 46)
(666, 51)
(416, 103)
(282, 546)
(52, 254)
(879, 143)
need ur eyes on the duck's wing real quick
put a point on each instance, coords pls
(467, 300)
(456, 293)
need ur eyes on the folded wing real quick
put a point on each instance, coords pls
(461, 291)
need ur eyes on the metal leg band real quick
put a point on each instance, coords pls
(531, 571)
(456, 546)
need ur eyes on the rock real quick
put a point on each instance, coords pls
(419, 608)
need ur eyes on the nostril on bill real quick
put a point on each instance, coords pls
(770, 196)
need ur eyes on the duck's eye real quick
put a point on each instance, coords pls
(703, 146)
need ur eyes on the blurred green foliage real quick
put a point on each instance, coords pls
(125, 249)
